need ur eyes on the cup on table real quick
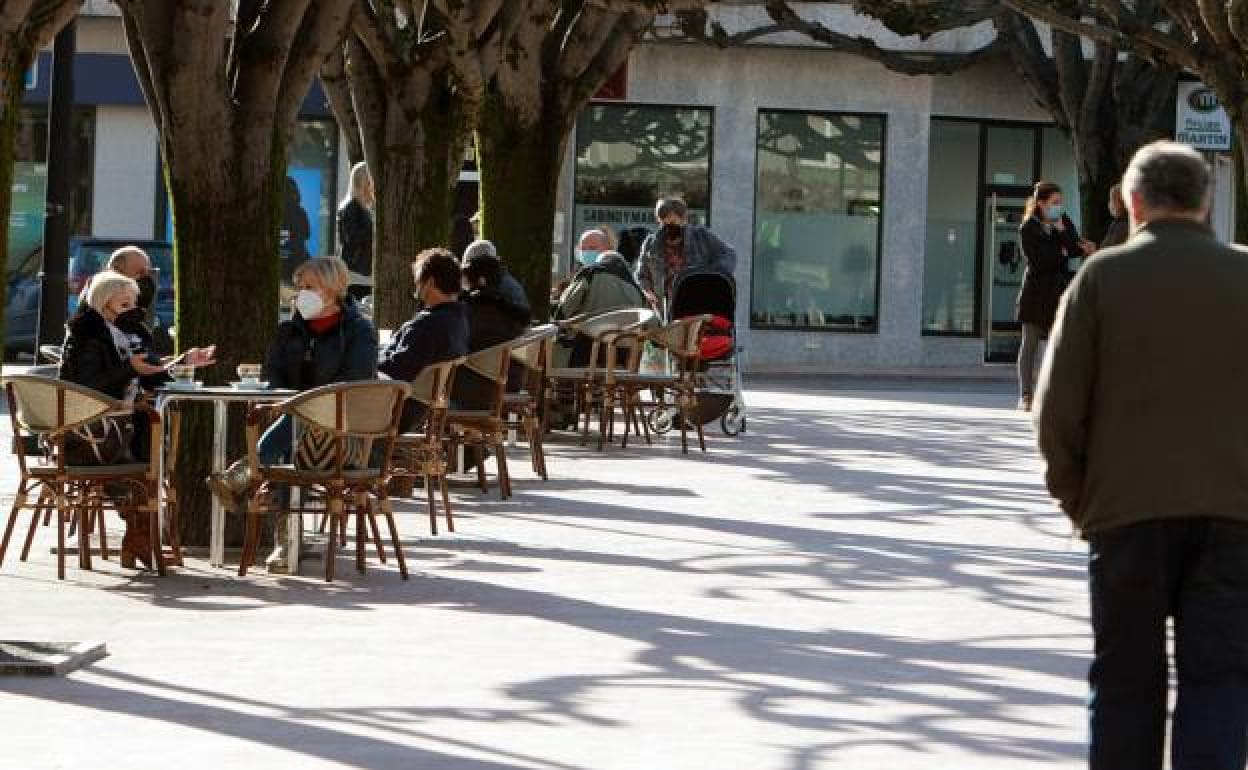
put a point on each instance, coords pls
(183, 373)
(249, 374)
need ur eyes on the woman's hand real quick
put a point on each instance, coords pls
(141, 367)
(198, 357)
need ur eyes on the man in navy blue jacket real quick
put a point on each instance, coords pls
(439, 331)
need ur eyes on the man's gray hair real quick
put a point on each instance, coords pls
(480, 248)
(118, 259)
(668, 206)
(1169, 175)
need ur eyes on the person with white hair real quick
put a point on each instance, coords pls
(508, 286)
(1140, 415)
(107, 348)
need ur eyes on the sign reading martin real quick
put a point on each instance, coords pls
(1199, 120)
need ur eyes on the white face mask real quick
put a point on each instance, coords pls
(309, 304)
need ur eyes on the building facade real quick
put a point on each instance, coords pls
(874, 214)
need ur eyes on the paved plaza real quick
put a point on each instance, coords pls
(871, 578)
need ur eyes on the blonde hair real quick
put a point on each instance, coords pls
(359, 173)
(330, 272)
(106, 285)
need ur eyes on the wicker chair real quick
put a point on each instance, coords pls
(44, 408)
(423, 453)
(486, 429)
(681, 341)
(523, 408)
(369, 411)
(600, 329)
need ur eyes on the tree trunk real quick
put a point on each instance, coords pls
(1094, 197)
(519, 189)
(415, 198)
(11, 87)
(227, 267)
(1241, 184)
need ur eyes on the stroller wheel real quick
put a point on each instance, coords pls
(661, 420)
(733, 422)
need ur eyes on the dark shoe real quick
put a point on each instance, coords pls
(136, 544)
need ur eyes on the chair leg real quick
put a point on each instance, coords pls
(446, 503)
(371, 512)
(99, 522)
(84, 507)
(433, 510)
(154, 533)
(61, 501)
(41, 511)
(481, 468)
(19, 502)
(504, 476)
(251, 532)
(361, 539)
(388, 512)
(337, 523)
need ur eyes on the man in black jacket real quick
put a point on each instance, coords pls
(439, 332)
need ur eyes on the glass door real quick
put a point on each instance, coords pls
(1003, 275)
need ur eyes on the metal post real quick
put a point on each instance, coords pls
(53, 299)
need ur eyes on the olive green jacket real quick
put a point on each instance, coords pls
(1142, 407)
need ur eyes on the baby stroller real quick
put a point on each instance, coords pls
(719, 388)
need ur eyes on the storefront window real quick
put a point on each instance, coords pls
(26, 215)
(628, 156)
(950, 258)
(817, 220)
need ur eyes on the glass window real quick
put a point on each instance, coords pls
(26, 214)
(817, 220)
(629, 156)
(949, 260)
(1010, 156)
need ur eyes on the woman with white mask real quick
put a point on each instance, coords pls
(327, 340)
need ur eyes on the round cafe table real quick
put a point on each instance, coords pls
(220, 398)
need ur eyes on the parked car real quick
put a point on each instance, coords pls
(87, 256)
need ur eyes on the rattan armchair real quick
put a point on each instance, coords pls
(44, 410)
(485, 429)
(368, 410)
(681, 341)
(423, 453)
(523, 408)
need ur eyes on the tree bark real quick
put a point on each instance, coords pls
(11, 81)
(519, 192)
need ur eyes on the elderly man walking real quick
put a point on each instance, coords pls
(1142, 417)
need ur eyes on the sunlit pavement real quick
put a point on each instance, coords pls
(871, 577)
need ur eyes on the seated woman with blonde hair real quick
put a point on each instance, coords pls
(107, 348)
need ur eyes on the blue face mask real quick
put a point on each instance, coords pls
(1053, 213)
(587, 257)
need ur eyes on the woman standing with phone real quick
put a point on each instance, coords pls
(1050, 245)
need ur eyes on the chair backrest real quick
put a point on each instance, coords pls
(681, 337)
(528, 348)
(491, 363)
(615, 320)
(46, 405)
(365, 409)
(432, 387)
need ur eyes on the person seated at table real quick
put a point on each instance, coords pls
(602, 285)
(107, 348)
(493, 318)
(327, 340)
(438, 332)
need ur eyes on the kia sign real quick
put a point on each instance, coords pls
(1200, 121)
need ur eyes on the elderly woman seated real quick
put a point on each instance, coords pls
(107, 348)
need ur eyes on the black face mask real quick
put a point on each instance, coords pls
(147, 291)
(131, 321)
(671, 233)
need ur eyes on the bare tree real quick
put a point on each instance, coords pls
(25, 27)
(527, 68)
(1107, 104)
(224, 88)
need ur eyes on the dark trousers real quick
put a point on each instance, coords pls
(1194, 570)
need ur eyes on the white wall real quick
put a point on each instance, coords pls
(124, 195)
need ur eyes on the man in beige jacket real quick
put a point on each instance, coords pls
(1142, 417)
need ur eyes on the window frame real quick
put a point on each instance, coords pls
(880, 227)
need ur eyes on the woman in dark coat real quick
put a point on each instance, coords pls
(327, 340)
(492, 320)
(1049, 241)
(355, 227)
(108, 348)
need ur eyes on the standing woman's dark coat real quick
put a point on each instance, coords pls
(1047, 251)
(355, 236)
